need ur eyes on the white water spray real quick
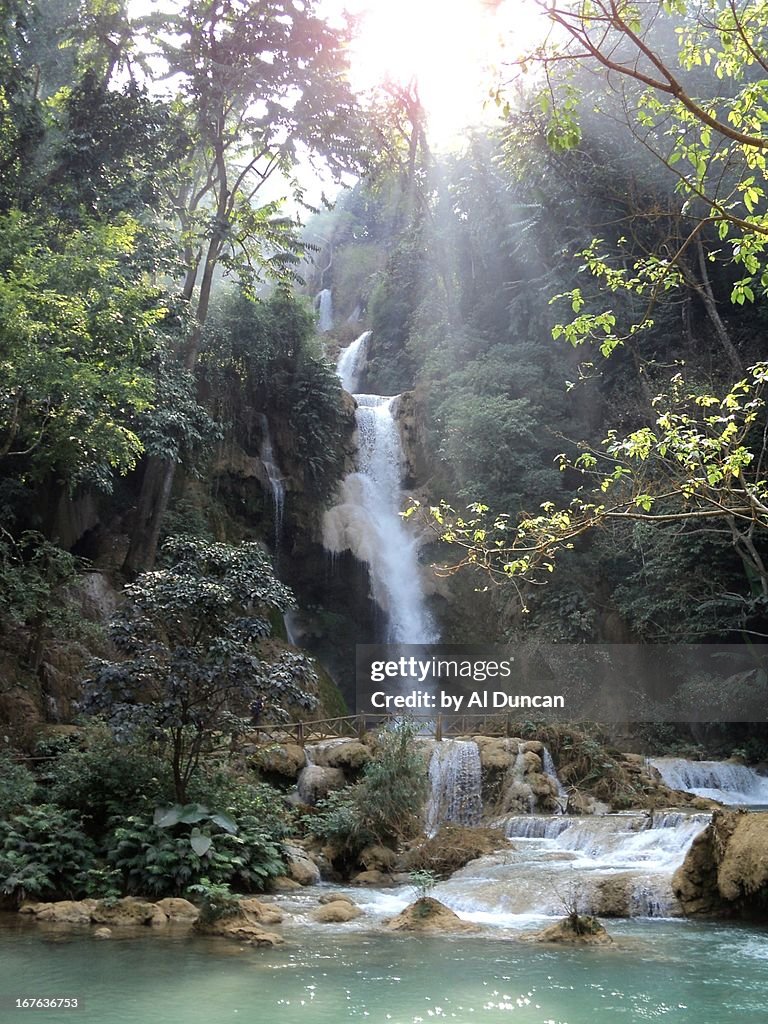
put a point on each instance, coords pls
(456, 780)
(275, 478)
(367, 520)
(730, 783)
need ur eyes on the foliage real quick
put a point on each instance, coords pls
(44, 854)
(384, 806)
(102, 779)
(188, 633)
(18, 785)
(216, 900)
(423, 883)
(165, 857)
(77, 325)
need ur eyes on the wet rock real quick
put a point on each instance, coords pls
(316, 782)
(301, 867)
(573, 931)
(337, 912)
(282, 883)
(178, 910)
(613, 896)
(374, 878)
(430, 916)
(263, 913)
(127, 912)
(336, 897)
(63, 912)
(103, 933)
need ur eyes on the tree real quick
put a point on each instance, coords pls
(259, 81)
(189, 634)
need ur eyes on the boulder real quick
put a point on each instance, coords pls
(63, 912)
(378, 858)
(533, 747)
(335, 897)
(337, 912)
(282, 883)
(103, 933)
(725, 871)
(351, 756)
(263, 913)
(316, 782)
(430, 916)
(373, 878)
(285, 759)
(301, 867)
(613, 896)
(531, 760)
(573, 931)
(127, 912)
(176, 909)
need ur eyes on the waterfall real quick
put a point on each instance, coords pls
(274, 476)
(324, 306)
(351, 360)
(455, 779)
(367, 521)
(620, 864)
(730, 783)
(549, 769)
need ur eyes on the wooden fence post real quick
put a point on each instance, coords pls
(439, 727)
(300, 733)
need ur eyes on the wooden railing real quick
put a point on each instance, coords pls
(437, 726)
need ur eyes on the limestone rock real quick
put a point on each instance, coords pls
(337, 912)
(63, 912)
(285, 759)
(373, 878)
(378, 858)
(282, 883)
(263, 913)
(301, 867)
(336, 897)
(103, 933)
(613, 896)
(176, 909)
(430, 916)
(350, 756)
(127, 912)
(588, 932)
(316, 782)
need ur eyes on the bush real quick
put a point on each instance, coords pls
(44, 854)
(166, 860)
(108, 779)
(385, 805)
(216, 900)
(17, 785)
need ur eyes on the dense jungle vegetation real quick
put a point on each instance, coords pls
(575, 299)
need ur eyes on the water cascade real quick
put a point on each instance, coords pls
(324, 306)
(366, 520)
(730, 783)
(615, 863)
(455, 779)
(274, 476)
(549, 769)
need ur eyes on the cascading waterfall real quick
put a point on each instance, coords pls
(275, 478)
(367, 520)
(730, 783)
(549, 769)
(455, 780)
(324, 306)
(621, 861)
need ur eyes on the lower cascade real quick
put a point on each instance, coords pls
(612, 865)
(456, 783)
(366, 519)
(730, 783)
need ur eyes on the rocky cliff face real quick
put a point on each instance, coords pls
(725, 873)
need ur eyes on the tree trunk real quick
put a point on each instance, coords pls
(153, 501)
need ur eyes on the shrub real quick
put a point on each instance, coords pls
(17, 785)
(108, 779)
(385, 805)
(216, 900)
(44, 853)
(165, 859)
